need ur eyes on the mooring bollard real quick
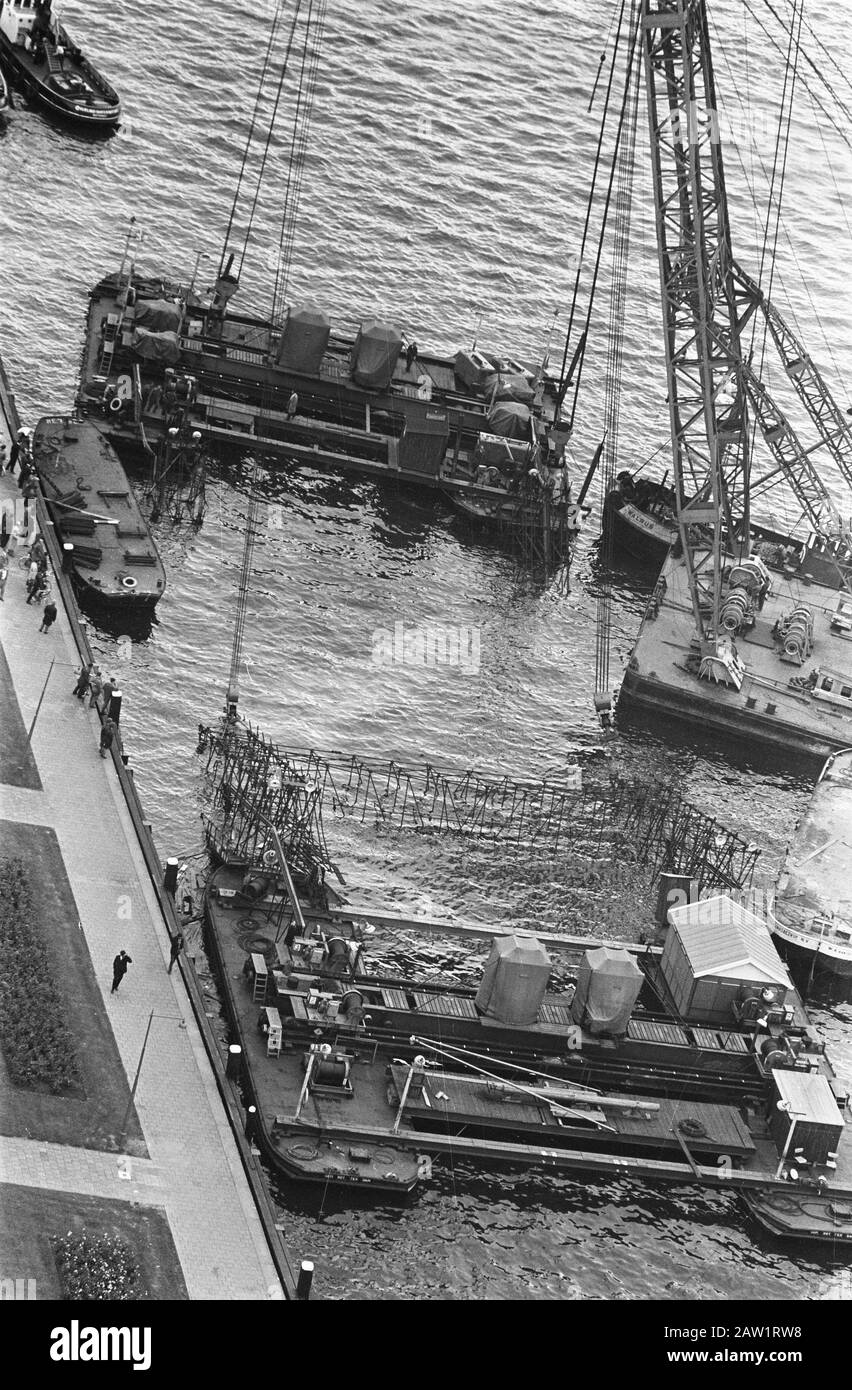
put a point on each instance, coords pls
(114, 710)
(171, 876)
(67, 556)
(251, 1118)
(235, 1057)
(306, 1278)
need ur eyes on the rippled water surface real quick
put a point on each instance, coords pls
(444, 188)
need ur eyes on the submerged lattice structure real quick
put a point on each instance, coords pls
(252, 787)
(590, 813)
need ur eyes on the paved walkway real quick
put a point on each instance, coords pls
(195, 1172)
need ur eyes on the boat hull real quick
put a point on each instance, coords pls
(114, 564)
(104, 116)
(632, 530)
(805, 951)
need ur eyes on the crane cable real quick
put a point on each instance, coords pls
(282, 77)
(782, 147)
(563, 382)
(626, 166)
(273, 32)
(634, 45)
(298, 143)
(308, 68)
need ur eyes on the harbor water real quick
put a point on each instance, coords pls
(444, 189)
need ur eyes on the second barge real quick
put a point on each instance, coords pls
(716, 1078)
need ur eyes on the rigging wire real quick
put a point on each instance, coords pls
(273, 32)
(782, 147)
(297, 9)
(626, 165)
(631, 56)
(589, 207)
(818, 70)
(825, 110)
(309, 66)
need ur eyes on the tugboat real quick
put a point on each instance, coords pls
(45, 62)
(813, 902)
(114, 562)
(641, 516)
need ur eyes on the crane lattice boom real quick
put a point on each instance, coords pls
(703, 308)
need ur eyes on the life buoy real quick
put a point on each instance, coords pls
(128, 582)
(303, 1153)
(692, 1127)
(779, 1201)
(116, 405)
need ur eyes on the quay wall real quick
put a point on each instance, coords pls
(253, 1171)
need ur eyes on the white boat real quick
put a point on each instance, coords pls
(813, 901)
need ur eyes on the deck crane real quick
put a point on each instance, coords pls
(832, 423)
(704, 310)
(794, 463)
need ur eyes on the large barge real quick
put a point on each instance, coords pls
(784, 678)
(691, 1063)
(482, 429)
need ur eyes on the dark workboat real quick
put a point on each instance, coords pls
(114, 562)
(49, 67)
(691, 1063)
(640, 513)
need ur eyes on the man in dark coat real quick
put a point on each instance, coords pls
(49, 616)
(119, 969)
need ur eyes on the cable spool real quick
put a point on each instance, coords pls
(735, 610)
(773, 1055)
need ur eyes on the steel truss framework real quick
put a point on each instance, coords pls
(252, 783)
(703, 308)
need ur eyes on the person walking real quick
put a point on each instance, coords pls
(32, 576)
(82, 686)
(177, 947)
(107, 736)
(119, 969)
(49, 616)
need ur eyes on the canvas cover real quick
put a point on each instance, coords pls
(304, 341)
(375, 354)
(156, 347)
(514, 980)
(508, 387)
(608, 985)
(509, 419)
(157, 315)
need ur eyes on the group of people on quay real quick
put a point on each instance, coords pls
(18, 524)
